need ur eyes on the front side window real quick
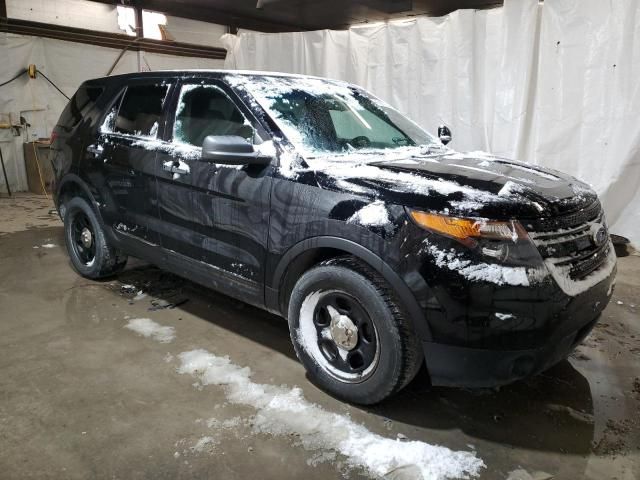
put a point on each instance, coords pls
(141, 110)
(205, 110)
(323, 117)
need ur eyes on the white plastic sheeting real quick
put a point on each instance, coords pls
(554, 84)
(67, 64)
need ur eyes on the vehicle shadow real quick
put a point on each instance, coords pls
(228, 313)
(550, 412)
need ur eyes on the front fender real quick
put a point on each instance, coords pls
(416, 315)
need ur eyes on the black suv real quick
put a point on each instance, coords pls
(315, 200)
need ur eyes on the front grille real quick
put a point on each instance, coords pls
(571, 246)
(567, 221)
(583, 267)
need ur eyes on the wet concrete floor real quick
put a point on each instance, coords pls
(82, 397)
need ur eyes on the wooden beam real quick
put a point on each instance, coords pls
(211, 15)
(110, 40)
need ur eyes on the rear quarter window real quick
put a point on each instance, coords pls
(79, 105)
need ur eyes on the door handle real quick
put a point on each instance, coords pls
(94, 150)
(176, 167)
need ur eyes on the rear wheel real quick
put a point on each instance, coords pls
(87, 245)
(350, 332)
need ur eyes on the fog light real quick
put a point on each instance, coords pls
(500, 252)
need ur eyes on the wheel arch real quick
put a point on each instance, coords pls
(312, 251)
(72, 185)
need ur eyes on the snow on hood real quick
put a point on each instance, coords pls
(463, 184)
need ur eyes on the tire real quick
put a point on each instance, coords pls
(91, 255)
(320, 300)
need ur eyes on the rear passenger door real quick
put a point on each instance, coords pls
(128, 163)
(224, 218)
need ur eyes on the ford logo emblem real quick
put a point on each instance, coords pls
(599, 235)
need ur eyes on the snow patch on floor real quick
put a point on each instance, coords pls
(140, 295)
(321, 457)
(284, 411)
(373, 215)
(228, 424)
(522, 474)
(150, 329)
(204, 444)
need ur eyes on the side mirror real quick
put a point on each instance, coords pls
(444, 134)
(231, 150)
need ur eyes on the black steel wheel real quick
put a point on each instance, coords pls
(90, 253)
(83, 243)
(350, 332)
(345, 336)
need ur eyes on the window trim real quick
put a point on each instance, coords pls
(118, 98)
(226, 90)
(160, 116)
(108, 108)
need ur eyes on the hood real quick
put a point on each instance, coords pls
(464, 184)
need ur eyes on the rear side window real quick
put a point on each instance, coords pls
(79, 105)
(141, 109)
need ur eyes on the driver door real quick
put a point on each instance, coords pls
(218, 214)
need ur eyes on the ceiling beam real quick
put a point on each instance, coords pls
(110, 40)
(210, 15)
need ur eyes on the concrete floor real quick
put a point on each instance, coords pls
(82, 397)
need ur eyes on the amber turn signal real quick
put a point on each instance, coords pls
(463, 228)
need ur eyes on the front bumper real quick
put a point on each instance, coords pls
(460, 365)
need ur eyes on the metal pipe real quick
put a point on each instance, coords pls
(6, 179)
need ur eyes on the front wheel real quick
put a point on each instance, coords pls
(90, 254)
(350, 332)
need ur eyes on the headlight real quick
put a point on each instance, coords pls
(502, 241)
(467, 230)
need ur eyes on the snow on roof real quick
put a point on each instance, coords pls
(220, 71)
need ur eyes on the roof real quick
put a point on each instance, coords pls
(204, 73)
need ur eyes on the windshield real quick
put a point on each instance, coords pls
(323, 117)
